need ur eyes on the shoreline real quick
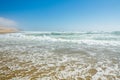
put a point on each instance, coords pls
(31, 56)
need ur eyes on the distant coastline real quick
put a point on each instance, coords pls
(4, 30)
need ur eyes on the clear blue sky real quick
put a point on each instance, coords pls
(63, 15)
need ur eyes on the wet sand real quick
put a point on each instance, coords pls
(12, 68)
(30, 71)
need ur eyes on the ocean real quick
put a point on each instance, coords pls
(34, 55)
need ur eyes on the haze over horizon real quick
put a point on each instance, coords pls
(61, 15)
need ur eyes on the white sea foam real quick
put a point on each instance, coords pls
(79, 54)
(82, 40)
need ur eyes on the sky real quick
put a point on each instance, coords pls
(61, 15)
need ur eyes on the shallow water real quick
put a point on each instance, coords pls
(60, 56)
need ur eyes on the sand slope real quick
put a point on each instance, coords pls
(7, 30)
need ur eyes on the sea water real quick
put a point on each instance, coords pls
(32, 55)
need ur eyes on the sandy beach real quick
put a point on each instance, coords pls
(4, 30)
